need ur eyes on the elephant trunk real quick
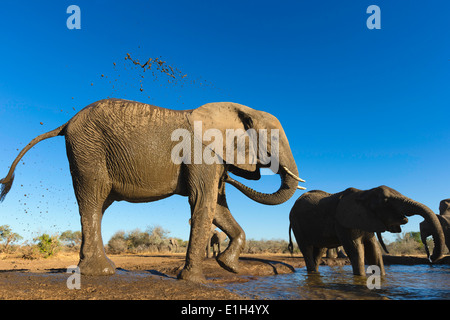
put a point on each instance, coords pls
(423, 236)
(410, 207)
(288, 172)
(284, 193)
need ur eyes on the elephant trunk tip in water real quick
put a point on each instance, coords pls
(413, 207)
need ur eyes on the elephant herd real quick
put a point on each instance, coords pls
(121, 150)
(351, 218)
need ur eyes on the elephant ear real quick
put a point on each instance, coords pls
(444, 207)
(223, 130)
(355, 211)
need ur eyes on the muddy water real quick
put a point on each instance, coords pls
(417, 282)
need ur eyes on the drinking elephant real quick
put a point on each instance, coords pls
(426, 229)
(120, 150)
(321, 220)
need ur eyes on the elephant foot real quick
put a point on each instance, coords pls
(99, 266)
(192, 275)
(229, 261)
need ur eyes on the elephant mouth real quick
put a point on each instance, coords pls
(395, 227)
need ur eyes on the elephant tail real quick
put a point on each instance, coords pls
(6, 183)
(291, 245)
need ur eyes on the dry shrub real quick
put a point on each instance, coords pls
(154, 239)
(406, 244)
(266, 246)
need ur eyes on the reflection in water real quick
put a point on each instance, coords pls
(400, 282)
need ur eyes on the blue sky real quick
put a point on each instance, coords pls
(361, 108)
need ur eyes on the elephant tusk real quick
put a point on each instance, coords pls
(293, 175)
(301, 188)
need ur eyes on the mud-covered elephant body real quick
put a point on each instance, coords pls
(123, 150)
(426, 229)
(351, 218)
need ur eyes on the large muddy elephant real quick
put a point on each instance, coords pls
(426, 229)
(125, 150)
(351, 218)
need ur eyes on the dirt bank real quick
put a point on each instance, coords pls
(147, 276)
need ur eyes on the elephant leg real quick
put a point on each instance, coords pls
(318, 253)
(228, 259)
(332, 253)
(203, 199)
(309, 257)
(93, 259)
(355, 252)
(373, 255)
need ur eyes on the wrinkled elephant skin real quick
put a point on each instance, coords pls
(120, 150)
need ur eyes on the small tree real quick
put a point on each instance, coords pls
(48, 245)
(406, 243)
(8, 237)
(70, 238)
(153, 239)
(118, 243)
(157, 235)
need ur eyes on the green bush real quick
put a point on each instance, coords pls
(48, 245)
(71, 239)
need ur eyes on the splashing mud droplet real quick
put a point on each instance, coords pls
(154, 69)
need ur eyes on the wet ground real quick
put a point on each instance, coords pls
(137, 277)
(147, 276)
(401, 282)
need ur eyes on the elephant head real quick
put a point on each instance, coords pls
(426, 229)
(444, 207)
(247, 140)
(384, 209)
